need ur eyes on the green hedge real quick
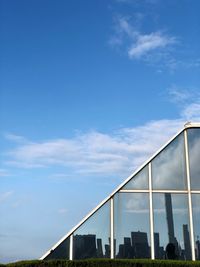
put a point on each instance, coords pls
(104, 263)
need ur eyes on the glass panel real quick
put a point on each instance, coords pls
(196, 221)
(171, 226)
(139, 181)
(60, 252)
(168, 168)
(131, 225)
(92, 239)
(194, 157)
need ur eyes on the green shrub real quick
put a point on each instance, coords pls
(104, 263)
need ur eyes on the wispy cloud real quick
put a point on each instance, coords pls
(192, 111)
(14, 137)
(100, 154)
(148, 43)
(188, 100)
(156, 47)
(139, 45)
(178, 95)
(96, 153)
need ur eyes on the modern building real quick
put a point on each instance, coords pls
(154, 214)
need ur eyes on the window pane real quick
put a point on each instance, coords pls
(60, 252)
(131, 225)
(139, 181)
(194, 157)
(171, 226)
(92, 239)
(168, 168)
(196, 221)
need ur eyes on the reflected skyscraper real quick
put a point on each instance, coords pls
(99, 248)
(170, 223)
(128, 250)
(197, 249)
(169, 214)
(140, 244)
(85, 245)
(157, 245)
(187, 245)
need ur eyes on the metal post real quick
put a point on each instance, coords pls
(189, 195)
(71, 247)
(151, 214)
(112, 228)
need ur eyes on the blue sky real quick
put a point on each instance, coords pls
(88, 90)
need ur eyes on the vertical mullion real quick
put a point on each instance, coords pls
(71, 247)
(189, 195)
(112, 228)
(151, 214)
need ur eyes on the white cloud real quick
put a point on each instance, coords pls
(140, 45)
(188, 100)
(14, 137)
(96, 153)
(192, 111)
(149, 42)
(99, 154)
(179, 95)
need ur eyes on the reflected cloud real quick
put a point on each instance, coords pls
(168, 168)
(194, 155)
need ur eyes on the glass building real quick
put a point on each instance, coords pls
(154, 214)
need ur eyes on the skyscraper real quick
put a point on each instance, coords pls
(169, 215)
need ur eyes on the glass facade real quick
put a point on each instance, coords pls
(171, 226)
(92, 239)
(168, 167)
(61, 251)
(194, 157)
(131, 227)
(156, 214)
(139, 181)
(196, 219)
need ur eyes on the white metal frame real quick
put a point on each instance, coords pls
(189, 195)
(71, 247)
(150, 191)
(112, 228)
(151, 214)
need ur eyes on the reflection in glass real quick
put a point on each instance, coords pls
(171, 226)
(194, 156)
(196, 221)
(61, 251)
(139, 181)
(92, 238)
(168, 167)
(131, 225)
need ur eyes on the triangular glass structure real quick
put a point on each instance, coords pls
(153, 214)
